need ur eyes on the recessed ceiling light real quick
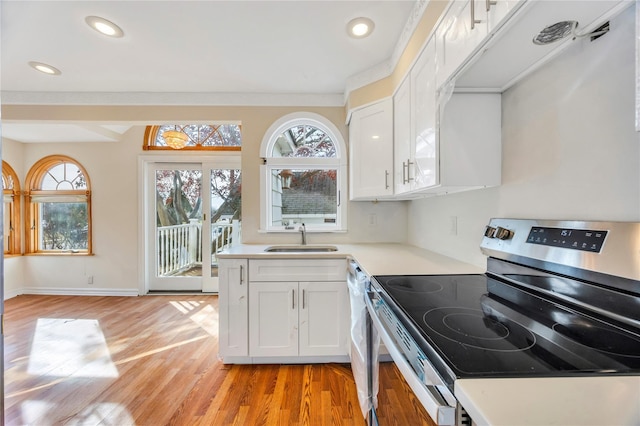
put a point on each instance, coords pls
(360, 27)
(104, 26)
(44, 68)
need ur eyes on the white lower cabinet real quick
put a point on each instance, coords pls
(283, 310)
(233, 302)
(298, 319)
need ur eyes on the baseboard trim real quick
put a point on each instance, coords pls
(72, 292)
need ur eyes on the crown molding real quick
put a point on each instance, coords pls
(172, 99)
(385, 69)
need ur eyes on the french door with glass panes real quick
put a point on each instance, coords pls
(193, 211)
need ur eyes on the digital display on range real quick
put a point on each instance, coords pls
(576, 239)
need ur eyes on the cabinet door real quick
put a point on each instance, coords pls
(424, 170)
(470, 141)
(273, 319)
(402, 136)
(233, 305)
(324, 318)
(371, 151)
(461, 31)
(499, 10)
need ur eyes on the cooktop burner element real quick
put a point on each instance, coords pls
(601, 339)
(472, 328)
(414, 284)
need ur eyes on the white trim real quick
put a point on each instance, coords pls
(199, 159)
(300, 118)
(62, 291)
(338, 163)
(285, 359)
(172, 99)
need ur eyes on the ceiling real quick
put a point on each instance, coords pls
(198, 52)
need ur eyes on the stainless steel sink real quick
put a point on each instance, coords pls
(300, 249)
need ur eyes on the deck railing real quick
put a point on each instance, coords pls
(180, 246)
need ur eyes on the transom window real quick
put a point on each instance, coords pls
(59, 207)
(304, 175)
(11, 196)
(220, 137)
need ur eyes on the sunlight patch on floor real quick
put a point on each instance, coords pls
(38, 413)
(204, 315)
(70, 348)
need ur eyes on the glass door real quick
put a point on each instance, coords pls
(175, 227)
(183, 236)
(225, 216)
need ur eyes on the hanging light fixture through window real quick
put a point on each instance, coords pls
(286, 176)
(175, 139)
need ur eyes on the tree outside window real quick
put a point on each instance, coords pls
(304, 175)
(59, 207)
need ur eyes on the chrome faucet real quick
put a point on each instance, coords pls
(303, 230)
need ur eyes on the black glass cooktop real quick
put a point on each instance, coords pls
(482, 327)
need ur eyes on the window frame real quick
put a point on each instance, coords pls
(12, 244)
(151, 133)
(34, 180)
(337, 163)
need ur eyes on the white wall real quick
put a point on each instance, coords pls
(570, 149)
(113, 172)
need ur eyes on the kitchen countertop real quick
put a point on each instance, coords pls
(374, 259)
(562, 401)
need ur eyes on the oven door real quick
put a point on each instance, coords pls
(403, 354)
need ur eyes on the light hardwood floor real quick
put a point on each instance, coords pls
(153, 360)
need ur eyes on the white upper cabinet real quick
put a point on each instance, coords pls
(424, 171)
(415, 130)
(462, 29)
(402, 146)
(499, 10)
(470, 153)
(371, 151)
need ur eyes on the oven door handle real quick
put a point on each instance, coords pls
(442, 413)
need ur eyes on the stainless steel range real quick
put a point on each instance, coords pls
(559, 299)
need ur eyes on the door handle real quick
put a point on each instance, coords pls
(474, 21)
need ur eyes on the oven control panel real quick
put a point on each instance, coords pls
(576, 239)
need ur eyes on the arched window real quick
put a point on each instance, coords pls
(194, 137)
(304, 175)
(11, 195)
(59, 207)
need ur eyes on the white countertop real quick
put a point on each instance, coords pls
(562, 401)
(374, 259)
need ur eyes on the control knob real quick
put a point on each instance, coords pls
(503, 233)
(489, 232)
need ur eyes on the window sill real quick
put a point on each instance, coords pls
(47, 253)
(297, 231)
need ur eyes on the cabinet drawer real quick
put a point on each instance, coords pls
(297, 270)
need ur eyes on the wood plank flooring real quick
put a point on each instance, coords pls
(152, 360)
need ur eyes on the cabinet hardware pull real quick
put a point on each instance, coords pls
(293, 299)
(474, 21)
(386, 179)
(303, 295)
(491, 3)
(241, 275)
(404, 178)
(409, 178)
